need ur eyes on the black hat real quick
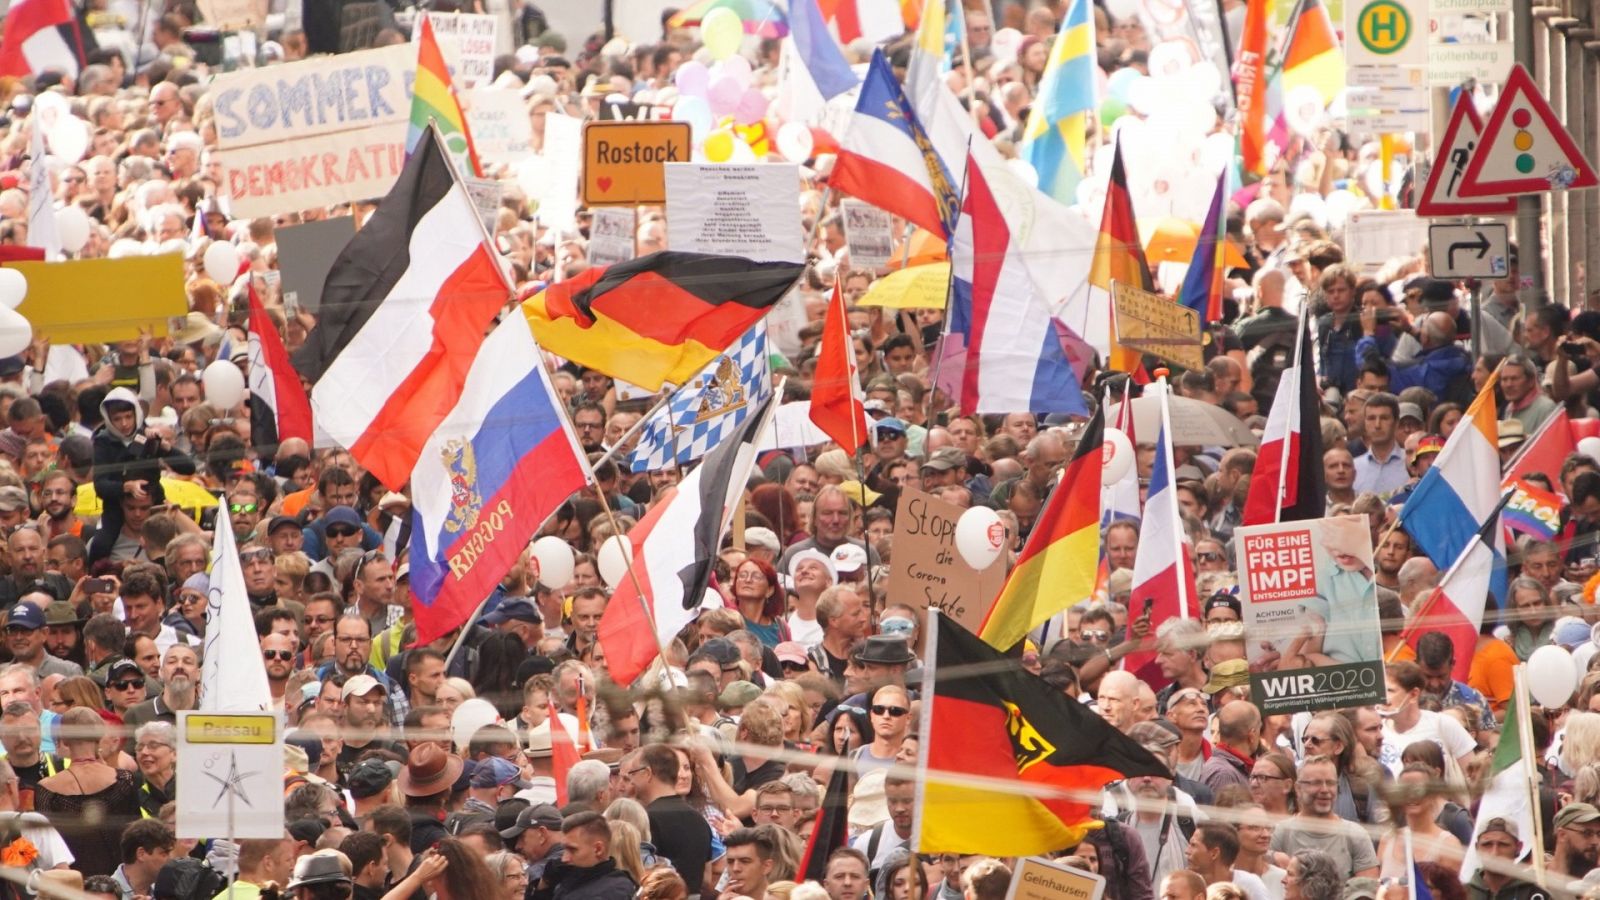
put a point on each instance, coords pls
(724, 651)
(368, 778)
(514, 609)
(884, 650)
(544, 815)
(308, 830)
(124, 668)
(1222, 599)
(280, 521)
(322, 867)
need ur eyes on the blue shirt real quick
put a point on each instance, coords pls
(1436, 369)
(1381, 476)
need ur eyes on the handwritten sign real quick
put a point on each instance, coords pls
(500, 127)
(1151, 323)
(327, 94)
(335, 168)
(746, 211)
(927, 571)
(234, 15)
(1041, 879)
(624, 162)
(467, 41)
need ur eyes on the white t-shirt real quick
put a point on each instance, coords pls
(1252, 885)
(1442, 730)
(805, 631)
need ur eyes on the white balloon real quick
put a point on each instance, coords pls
(125, 247)
(1116, 456)
(554, 557)
(1122, 9)
(469, 717)
(1590, 447)
(13, 288)
(1144, 95)
(980, 536)
(794, 142)
(171, 245)
(613, 559)
(1169, 58)
(224, 384)
(222, 262)
(72, 227)
(1552, 676)
(15, 332)
(68, 139)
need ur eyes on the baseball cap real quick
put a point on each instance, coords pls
(1222, 600)
(765, 538)
(739, 693)
(1502, 824)
(514, 609)
(890, 423)
(790, 652)
(1230, 673)
(1570, 632)
(946, 458)
(27, 616)
(848, 557)
(280, 521)
(543, 815)
(1410, 411)
(368, 778)
(360, 684)
(498, 772)
(859, 494)
(341, 515)
(817, 555)
(1431, 443)
(724, 651)
(876, 406)
(122, 669)
(1577, 814)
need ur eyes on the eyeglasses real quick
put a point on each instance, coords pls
(1320, 784)
(19, 629)
(284, 655)
(342, 531)
(775, 810)
(238, 508)
(1187, 696)
(893, 712)
(635, 771)
(753, 577)
(352, 639)
(319, 620)
(1315, 739)
(260, 554)
(1096, 635)
(125, 685)
(1260, 778)
(1209, 556)
(1588, 833)
(151, 745)
(588, 426)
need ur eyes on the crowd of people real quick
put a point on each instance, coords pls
(706, 776)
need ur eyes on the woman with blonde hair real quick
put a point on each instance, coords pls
(625, 841)
(662, 883)
(796, 711)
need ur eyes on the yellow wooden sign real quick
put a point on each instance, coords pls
(231, 728)
(624, 162)
(1151, 323)
(92, 301)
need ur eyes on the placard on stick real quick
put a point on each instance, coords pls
(926, 569)
(1041, 879)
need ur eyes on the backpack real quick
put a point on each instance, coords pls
(187, 878)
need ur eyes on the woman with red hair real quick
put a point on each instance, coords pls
(756, 593)
(778, 506)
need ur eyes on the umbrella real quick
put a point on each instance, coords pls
(1194, 424)
(919, 287)
(183, 494)
(1173, 240)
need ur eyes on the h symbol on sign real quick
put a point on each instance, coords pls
(1384, 23)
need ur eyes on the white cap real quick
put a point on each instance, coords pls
(848, 557)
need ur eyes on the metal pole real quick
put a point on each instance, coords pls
(1530, 252)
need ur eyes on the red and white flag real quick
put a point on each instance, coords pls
(564, 753)
(1545, 451)
(837, 402)
(273, 378)
(1287, 484)
(1456, 606)
(32, 44)
(406, 307)
(1163, 569)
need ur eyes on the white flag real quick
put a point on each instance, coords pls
(232, 675)
(41, 203)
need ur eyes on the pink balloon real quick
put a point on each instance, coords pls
(692, 78)
(737, 68)
(752, 107)
(724, 95)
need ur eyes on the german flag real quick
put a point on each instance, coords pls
(658, 319)
(1053, 572)
(1118, 254)
(988, 718)
(1311, 54)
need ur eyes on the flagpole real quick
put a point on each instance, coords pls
(1177, 532)
(1411, 866)
(1519, 687)
(930, 674)
(1420, 614)
(488, 239)
(949, 285)
(1283, 459)
(634, 429)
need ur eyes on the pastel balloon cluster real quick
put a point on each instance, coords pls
(726, 112)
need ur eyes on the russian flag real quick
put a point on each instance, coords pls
(487, 478)
(1163, 570)
(887, 159)
(1014, 360)
(1461, 491)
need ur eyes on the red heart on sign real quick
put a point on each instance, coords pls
(604, 182)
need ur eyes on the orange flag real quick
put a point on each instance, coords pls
(1250, 86)
(563, 755)
(836, 396)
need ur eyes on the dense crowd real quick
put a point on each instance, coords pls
(417, 771)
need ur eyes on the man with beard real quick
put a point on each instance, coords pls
(352, 653)
(28, 571)
(1391, 555)
(68, 557)
(259, 574)
(59, 497)
(365, 727)
(244, 510)
(277, 651)
(62, 632)
(1577, 840)
(25, 638)
(1499, 839)
(180, 672)
(20, 734)
(1154, 809)
(1315, 826)
(589, 422)
(372, 592)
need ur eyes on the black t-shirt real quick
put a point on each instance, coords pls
(683, 836)
(743, 780)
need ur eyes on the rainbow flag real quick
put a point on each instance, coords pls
(1532, 510)
(433, 99)
(1202, 284)
(1050, 574)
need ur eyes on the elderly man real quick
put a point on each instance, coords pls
(831, 514)
(1441, 367)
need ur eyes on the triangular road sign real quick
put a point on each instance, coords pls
(1524, 148)
(1441, 195)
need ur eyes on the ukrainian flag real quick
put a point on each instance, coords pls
(1053, 141)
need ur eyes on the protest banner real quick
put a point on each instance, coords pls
(235, 759)
(467, 41)
(869, 233)
(102, 300)
(312, 97)
(736, 210)
(306, 253)
(927, 571)
(1310, 614)
(501, 131)
(1041, 879)
(335, 168)
(623, 161)
(610, 235)
(234, 15)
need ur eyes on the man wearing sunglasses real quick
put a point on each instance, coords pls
(277, 653)
(340, 528)
(244, 510)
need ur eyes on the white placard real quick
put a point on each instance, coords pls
(869, 232)
(367, 89)
(231, 767)
(467, 41)
(1373, 237)
(560, 164)
(501, 131)
(748, 211)
(1450, 65)
(611, 235)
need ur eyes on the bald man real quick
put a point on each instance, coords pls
(1118, 700)
(1233, 755)
(1442, 367)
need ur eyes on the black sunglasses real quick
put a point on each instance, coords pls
(258, 553)
(125, 685)
(342, 531)
(894, 712)
(284, 655)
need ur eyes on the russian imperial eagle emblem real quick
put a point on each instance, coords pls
(465, 501)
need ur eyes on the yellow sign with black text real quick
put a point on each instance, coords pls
(1151, 323)
(230, 728)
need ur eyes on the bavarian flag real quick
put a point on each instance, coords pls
(1051, 573)
(657, 320)
(1047, 755)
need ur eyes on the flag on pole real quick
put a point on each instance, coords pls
(1121, 500)
(32, 43)
(1250, 87)
(1311, 54)
(1202, 284)
(1533, 511)
(1163, 569)
(832, 828)
(41, 199)
(837, 401)
(1508, 795)
(1456, 607)
(1119, 257)
(1050, 575)
(564, 753)
(1546, 450)
(1287, 484)
(1056, 135)
(232, 674)
(709, 407)
(273, 379)
(433, 99)
(818, 51)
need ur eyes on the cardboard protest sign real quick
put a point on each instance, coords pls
(335, 168)
(746, 211)
(234, 15)
(306, 253)
(925, 568)
(467, 41)
(103, 300)
(610, 235)
(1041, 879)
(501, 130)
(1310, 614)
